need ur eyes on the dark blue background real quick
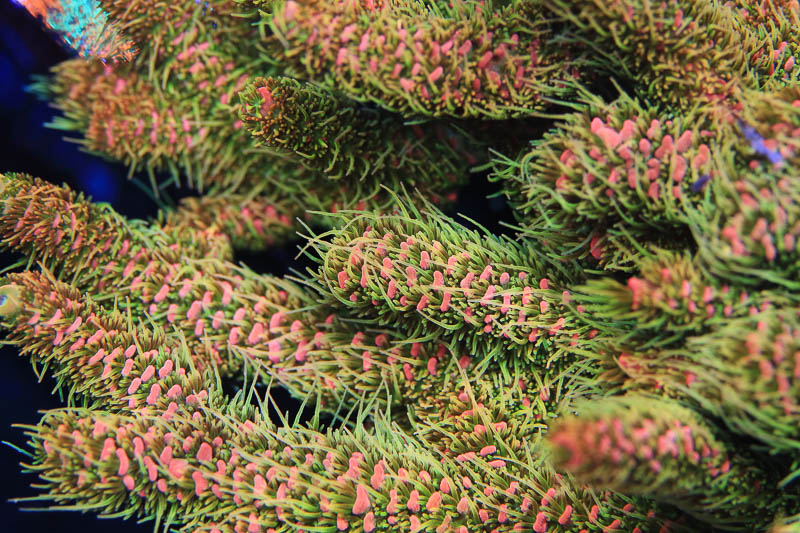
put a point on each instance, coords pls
(27, 146)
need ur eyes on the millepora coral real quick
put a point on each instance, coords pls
(626, 357)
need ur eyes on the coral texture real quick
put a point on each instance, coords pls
(626, 358)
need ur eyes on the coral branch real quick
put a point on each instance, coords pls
(467, 60)
(663, 450)
(344, 140)
(253, 478)
(438, 279)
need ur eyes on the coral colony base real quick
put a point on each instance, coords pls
(629, 361)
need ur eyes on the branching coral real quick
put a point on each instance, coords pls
(627, 361)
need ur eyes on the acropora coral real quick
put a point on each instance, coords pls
(626, 357)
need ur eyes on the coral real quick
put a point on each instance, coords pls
(624, 358)
(463, 59)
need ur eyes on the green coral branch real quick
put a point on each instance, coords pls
(468, 60)
(658, 448)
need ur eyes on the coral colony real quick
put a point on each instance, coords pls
(626, 359)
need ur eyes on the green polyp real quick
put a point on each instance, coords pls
(9, 187)
(10, 300)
